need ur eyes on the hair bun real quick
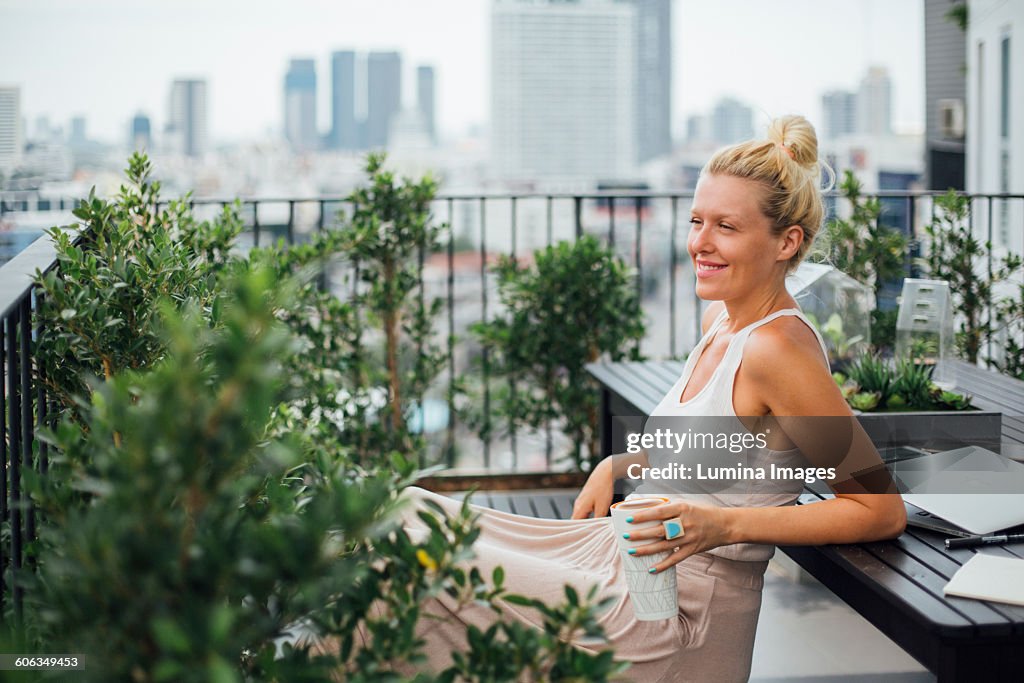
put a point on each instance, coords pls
(796, 136)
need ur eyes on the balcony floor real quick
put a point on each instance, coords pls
(804, 634)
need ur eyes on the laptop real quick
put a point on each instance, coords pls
(969, 489)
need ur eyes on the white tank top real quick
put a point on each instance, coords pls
(715, 399)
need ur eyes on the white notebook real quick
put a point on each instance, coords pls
(988, 577)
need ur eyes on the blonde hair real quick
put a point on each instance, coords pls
(786, 165)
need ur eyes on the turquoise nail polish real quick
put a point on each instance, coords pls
(629, 519)
(631, 551)
(651, 570)
(625, 535)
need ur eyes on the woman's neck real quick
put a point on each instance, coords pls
(743, 312)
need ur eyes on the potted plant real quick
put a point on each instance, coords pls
(898, 404)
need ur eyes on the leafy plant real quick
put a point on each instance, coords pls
(871, 382)
(205, 513)
(865, 249)
(872, 374)
(576, 304)
(958, 257)
(99, 304)
(389, 229)
(912, 385)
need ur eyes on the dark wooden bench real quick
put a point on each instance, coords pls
(895, 585)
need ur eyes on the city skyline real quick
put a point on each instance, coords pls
(735, 47)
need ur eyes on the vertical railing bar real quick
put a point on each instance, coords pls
(27, 432)
(485, 356)
(450, 454)
(14, 406)
(550, 222)
(256, 223)
(42, 395)
(673, 259)
(511, 380)
(988, 304)
(322, 279)
(421, 301)
(4, 333)
(638, 201)
(578, 201)
(611, 222)
(291, 222)
(547, 423)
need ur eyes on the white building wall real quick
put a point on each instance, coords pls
(563, 89)
(995, 161)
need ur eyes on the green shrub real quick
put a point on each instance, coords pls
(867, 251)
(575, 305)
(208, 499)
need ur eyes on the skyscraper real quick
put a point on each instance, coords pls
(839, 108)
(187, 126)
(383, 95)
(874, 102)
(653, 41)
(563, 89)
(141, 135)
(945, 93)
(79, 137)
(11, 142)
(425, 99)
(731, 121)
(344, 131)
(300, 105)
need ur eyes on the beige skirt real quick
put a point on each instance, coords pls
(719, 599)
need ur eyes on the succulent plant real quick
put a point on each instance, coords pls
(866, 400)
(873, 375)
(913, 383)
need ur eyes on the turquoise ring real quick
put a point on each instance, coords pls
(673, 528)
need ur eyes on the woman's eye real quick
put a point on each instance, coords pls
(726, 227)
(695, 221)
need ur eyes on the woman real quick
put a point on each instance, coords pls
(756, 210)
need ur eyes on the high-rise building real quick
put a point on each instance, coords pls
(731, 121)
(563, 89)
(187, 127)
(839, 110)
(11, 142)
(79, 135)
(344, 129)
(383, 95)
(945, 93)
(698, 128)
(653, 42)
(874, 102)
(141, 136)
(425, 99)
(300, 105)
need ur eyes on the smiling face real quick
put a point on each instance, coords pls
(731, 244)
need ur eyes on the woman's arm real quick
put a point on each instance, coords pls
(783, 366)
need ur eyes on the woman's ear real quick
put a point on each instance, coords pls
(791, 239)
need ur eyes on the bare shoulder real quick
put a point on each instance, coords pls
(712, 312)
(784, 347)
(783, 360)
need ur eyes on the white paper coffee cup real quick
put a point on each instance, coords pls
(654, 596)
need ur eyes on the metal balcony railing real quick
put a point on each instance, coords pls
(645, 228)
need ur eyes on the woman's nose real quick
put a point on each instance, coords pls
(699, 241)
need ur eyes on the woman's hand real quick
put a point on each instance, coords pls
(704, 527)
(596, 494)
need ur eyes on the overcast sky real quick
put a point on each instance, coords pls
(107, 59)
